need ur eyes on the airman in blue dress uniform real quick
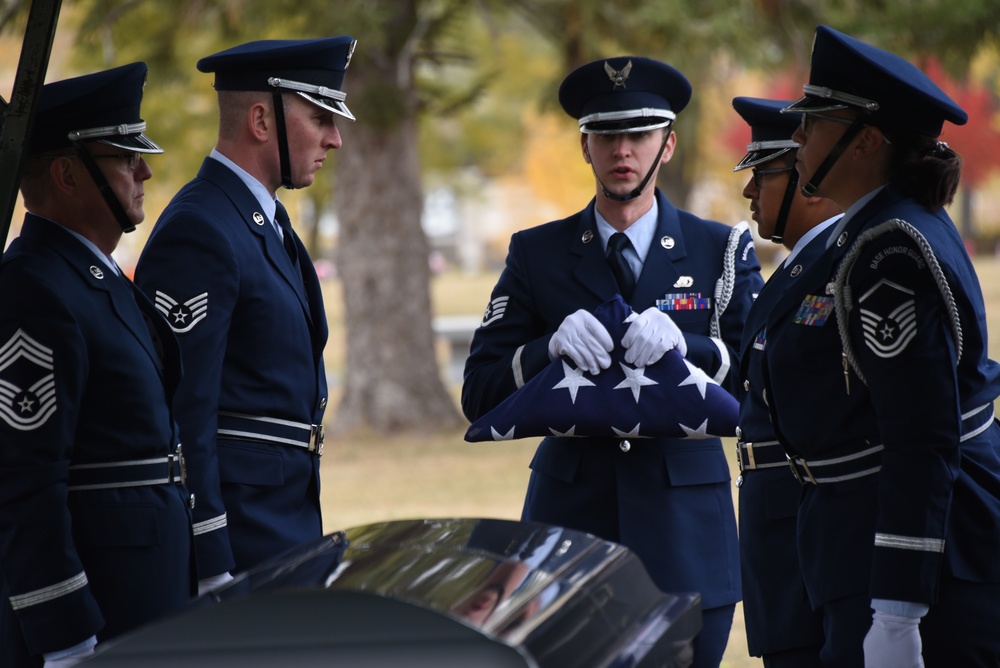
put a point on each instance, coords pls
(237, 285)
(95, 523)
(781, 626)
(691, 282)
(878, 380)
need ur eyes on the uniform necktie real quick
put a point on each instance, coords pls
(281, 217)
(619, 265)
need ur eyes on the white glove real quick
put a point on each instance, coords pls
(651, 334)
(71, 656)
(893, 640)
(206, 585)
(583, 339)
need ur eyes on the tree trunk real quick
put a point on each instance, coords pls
(392, 379)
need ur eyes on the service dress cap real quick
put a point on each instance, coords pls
(103, 107)
(312, 68)
(624, 94)
(847, 73)
(770, 130)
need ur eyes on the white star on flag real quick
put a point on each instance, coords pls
(634, 380)
(697, 377)
(567, 434)
(497, 436)
(573, 380)
(627, 434)
(700, 432)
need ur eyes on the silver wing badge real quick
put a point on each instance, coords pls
(618, 77)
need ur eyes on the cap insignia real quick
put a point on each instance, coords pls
(618, 77)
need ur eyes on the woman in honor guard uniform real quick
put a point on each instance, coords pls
(690, 281)
(234, 281)
(95, 524)
(878, 379)
(780, 625)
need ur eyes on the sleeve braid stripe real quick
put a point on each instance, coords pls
(49, 593)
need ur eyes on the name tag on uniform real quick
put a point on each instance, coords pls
(684, 301)
(814, 311)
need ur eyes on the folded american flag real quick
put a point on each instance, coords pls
(671, 398)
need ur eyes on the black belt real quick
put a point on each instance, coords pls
(130, 473)
(760, 455)
(271, 430)
(837, 469)
(868, 460)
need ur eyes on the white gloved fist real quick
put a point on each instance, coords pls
(206, 585)
(651, 334)
(71, 656)
(583, 339)
(893, 640)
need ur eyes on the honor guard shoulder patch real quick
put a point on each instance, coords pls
(27, 382)
(495, 310)
(182, 317)
(888, 318)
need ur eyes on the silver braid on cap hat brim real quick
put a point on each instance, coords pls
(843, 294)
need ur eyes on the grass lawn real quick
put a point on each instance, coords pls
(369, 478)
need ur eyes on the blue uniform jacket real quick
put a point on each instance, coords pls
(934, 505)
(252, 337)
(83, 382)
(668, 500)
(776, 610)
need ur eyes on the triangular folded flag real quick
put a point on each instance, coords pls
(669, 399)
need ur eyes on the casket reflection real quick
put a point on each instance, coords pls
(432, 592)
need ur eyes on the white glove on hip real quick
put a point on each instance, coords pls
(893, 641)
(583, 339)
(651, 334)
(206, 585)
(71, 656)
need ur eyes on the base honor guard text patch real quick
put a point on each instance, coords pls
(684, 301)
(182, 317)
(888, 318)
(814, 311)
(27, 383)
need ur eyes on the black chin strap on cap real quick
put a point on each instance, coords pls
(638, 189)
(279, 116)
(809, 189)
(781, 223)
(117, 210)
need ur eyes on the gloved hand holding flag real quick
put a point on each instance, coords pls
(671, 398)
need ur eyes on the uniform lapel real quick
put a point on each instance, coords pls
(96, 275)
(666, 247)
(257, 224)
(592, 269)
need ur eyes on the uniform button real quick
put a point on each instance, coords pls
(625, 446)
(746, 385)
(739, 481)
(191, 502)
(322, 403)
(739, 434)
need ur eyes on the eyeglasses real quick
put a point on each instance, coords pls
(131, 158)
(758, 173)
(807, 119)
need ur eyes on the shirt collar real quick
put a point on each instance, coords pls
(809, 236)
(257, 189)
(850, 213)
(640, 233)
